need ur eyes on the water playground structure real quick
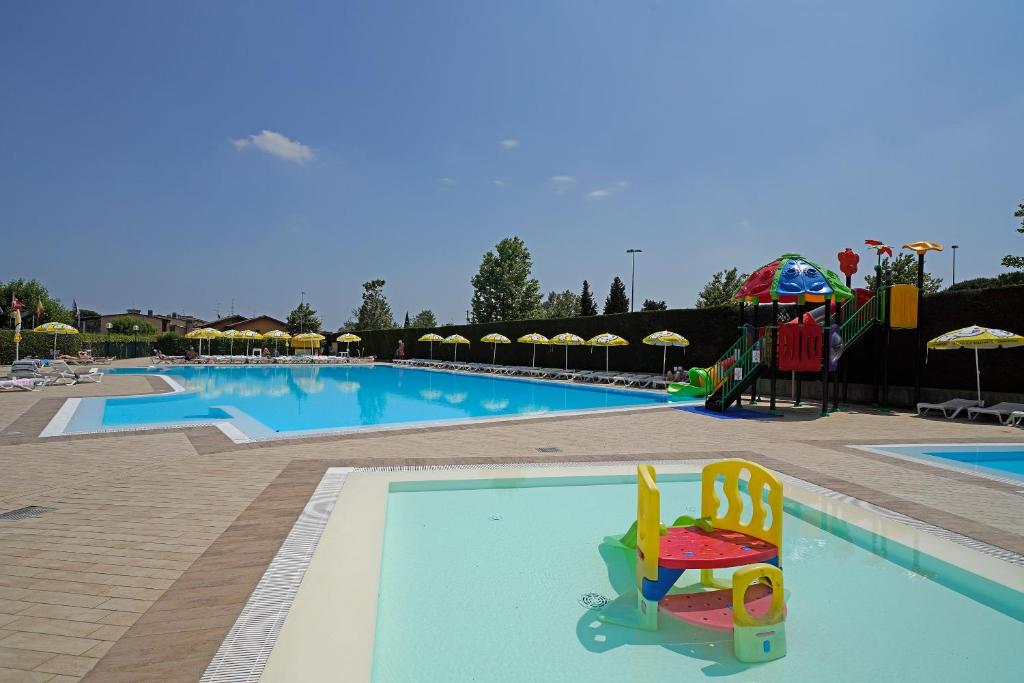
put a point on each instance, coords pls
(752, 606)
(843, 317)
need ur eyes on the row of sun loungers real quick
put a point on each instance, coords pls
(627, 379)
(1007, 413)
(30, 374)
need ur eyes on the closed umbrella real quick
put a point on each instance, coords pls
(455, 339)
(567, 339)
(495, 339)
(665, 339)
(607, 340)
(430, 337)
(534, 338)
(348, 338)
(55, 329)
(978, 338)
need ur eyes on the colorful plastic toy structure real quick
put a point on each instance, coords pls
(752, 607)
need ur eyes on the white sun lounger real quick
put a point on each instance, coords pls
(19, 384)
(1001, 411)
(950, 408)
(1017, 418)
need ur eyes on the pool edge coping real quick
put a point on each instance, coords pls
(372, 485)
(881, 449)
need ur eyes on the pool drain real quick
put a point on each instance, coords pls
(593, 600)
(495, 518)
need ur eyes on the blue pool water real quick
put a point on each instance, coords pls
(481, 581)
(1005, 460)
(268, 400)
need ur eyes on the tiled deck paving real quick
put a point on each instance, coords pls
(134, 550)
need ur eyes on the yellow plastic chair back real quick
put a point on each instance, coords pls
(648, 524)
(759, 481)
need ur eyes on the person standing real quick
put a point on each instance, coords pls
(400, 351)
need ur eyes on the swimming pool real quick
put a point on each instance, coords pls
(254, 402)
(482, 579)
(1003, 460)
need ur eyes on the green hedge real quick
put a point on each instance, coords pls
(40, 345)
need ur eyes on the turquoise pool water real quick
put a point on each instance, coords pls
(480, 583)
(267, 400)
(1005, 460)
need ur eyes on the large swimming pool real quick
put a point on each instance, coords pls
(253, 402)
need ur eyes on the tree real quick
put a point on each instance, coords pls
(375, 311)
(302, 319)
(587, 304)
(88, 313)
(902, 270)
(424, 318)
(652, 305)
(1016, 261)
(125, 324)
(406, 319)
(561, 305)
(30, 293)
(617, 301)
(503, 288)
(720, 289)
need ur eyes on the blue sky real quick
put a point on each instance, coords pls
(135, 170)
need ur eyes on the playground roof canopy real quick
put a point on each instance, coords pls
(790, 278)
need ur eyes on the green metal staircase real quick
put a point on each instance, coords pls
(857, 322)
(750, 356)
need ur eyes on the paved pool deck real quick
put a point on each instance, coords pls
(154, 539)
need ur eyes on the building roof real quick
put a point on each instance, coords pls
(240, 321)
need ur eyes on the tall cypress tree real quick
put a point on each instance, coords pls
(617, 301)
(406, 319)
(587, 304)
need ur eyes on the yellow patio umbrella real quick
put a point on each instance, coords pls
(455, 339)
(307, 340)
(607, 340)
(277, 335)
(249, 335)
(348, 338)
(202, 333)
(978, 338)
(567, 339)
(534, 338)
(495, 339)
(430, 337)
(55, 329)
(665, 339)
(231, 335)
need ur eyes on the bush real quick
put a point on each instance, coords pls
(126, 325)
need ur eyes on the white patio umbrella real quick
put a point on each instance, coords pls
(978, 338)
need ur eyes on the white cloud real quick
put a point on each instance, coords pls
(279, 145)
(498, 183)
(509, 143)
(445, 183)
(598, 194)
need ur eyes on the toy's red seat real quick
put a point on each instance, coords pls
(713, 609)
(690, 547)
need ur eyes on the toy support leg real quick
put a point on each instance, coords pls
(656, 590)
(707, 576)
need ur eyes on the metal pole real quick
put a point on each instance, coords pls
(918, 361)
(826, 330)
(954, 248)
(775, 351)
(632, 278)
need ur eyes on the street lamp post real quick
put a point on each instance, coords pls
(110, 326)
(954, 248)
(632, 278)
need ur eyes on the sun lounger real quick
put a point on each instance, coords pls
(1017, 418)
(93, 375)
(1001, 411)
(950, 408)
(19, 384)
